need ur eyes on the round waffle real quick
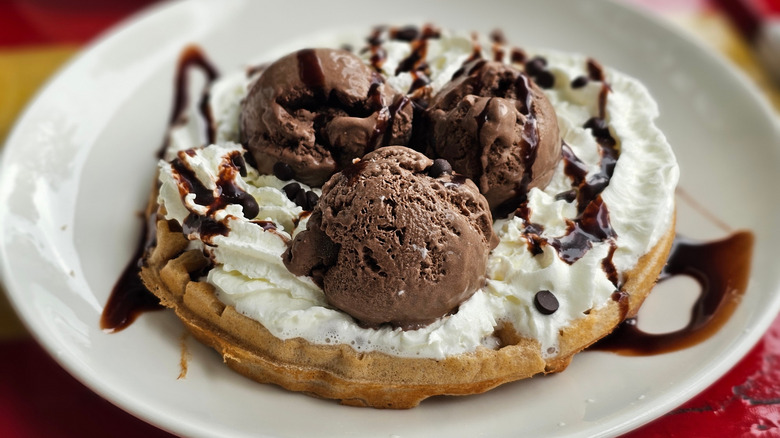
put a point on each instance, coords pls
(371, 378)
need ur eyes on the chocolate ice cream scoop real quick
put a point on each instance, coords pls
(396, 238)
(316, 110)
(494, 125)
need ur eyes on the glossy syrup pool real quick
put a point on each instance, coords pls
(721, 268)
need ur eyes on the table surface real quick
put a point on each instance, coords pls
(38, 398)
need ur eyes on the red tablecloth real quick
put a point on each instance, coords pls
(38, 398)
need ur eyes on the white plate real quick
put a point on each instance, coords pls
(77, 168)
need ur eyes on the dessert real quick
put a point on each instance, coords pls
(478, 218)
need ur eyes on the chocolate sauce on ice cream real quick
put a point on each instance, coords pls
(318, 109)
(496, 127)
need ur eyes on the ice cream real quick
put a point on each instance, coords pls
(317, 109)
(396, 238)
(494, 125)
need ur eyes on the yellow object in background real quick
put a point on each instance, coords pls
(22, 72)
(716, 31)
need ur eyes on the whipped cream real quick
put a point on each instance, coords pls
(250, 275)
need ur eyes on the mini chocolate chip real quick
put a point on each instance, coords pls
(544, 79)
(579, 82)
(300, 199)
(306, 200)
(311, 200)
(291, 190)
(347, 47)
(250, 159)
(595, 70)
(249, 204)
(439, 167)
(283, 171)
(238, 161)
(518, 56)
(545, 302)
(535, 65)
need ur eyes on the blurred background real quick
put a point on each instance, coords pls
(39, 399)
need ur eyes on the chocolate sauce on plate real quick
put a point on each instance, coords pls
(192, 58)
(721, 268)
(517, 55)
(129, 297)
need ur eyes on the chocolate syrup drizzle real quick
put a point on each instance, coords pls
(591, 227)
(226, 192)
(415, 62)
(312, 76)
(385, 115)
(192, 58)
(517, 55)
(592, 223)
(522, 93)
(499, 41)
(310, 69)
(720, 267)
(378, 53)
(129, 297)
